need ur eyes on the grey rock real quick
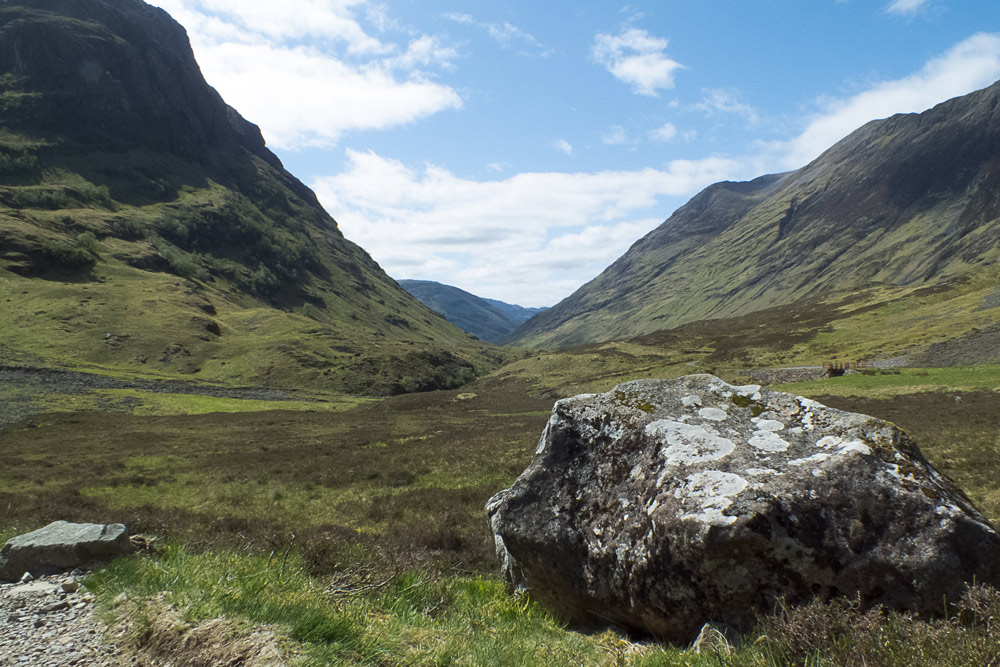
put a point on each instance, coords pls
(55, 606)
(61, 545)
(32, 589)
(664, 505)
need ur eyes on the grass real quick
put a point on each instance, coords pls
(392, 491)
(410, 473)
(422, 618)
(410, 618)
(902, 381)
(153, 403)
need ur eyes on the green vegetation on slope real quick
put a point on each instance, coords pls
(958, 322)
(146, 229)
(906, 201)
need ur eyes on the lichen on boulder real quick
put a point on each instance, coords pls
(663, 505)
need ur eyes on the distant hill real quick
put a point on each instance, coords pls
(488, 319)
(145, 227)
(517, 313)
(909, 200)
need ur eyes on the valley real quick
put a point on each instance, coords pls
(354, 493)
(190, 346)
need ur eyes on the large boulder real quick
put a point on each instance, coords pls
(663, 505)
(60, 546)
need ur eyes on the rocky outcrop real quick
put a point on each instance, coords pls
(133, 80)
(60, 546)
(663, 505)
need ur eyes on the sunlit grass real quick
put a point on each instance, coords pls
(144, 402)
(901, 381)
(362, 616)
(410, 618)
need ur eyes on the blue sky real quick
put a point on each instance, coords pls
(515, 149)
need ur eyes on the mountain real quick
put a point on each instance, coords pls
(518, 313)
(146, 228)
(912, 199)
(488, 319)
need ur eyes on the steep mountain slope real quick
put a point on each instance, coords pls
(463, 309)
(145, 227)
(912, 199)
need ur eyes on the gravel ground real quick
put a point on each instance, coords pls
(49, 622)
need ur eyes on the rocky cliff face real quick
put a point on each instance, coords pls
(117, 74)
(912, 198)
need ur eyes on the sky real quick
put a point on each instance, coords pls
(515, 149)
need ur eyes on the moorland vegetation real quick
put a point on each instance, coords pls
(182, 272)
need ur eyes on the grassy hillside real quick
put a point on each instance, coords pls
(954, 323)
(911, 200)
(145, 228)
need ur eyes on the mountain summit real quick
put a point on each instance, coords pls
(145, 226)
(911, 199)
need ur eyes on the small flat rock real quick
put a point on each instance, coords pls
(665, 505)
(33, 588)
(59, 546)
(55, 606)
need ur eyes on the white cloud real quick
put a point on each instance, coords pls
(665, 132)
(563, 146)
(505, 34)
(531, 238)
(906, 6)
(969, 65)
(424, 51)
(636, 58)
(498, 167)
(268, 83)
(459, 17)
(718, 100)
(616, 136)
(294, 19)
(307, 71)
